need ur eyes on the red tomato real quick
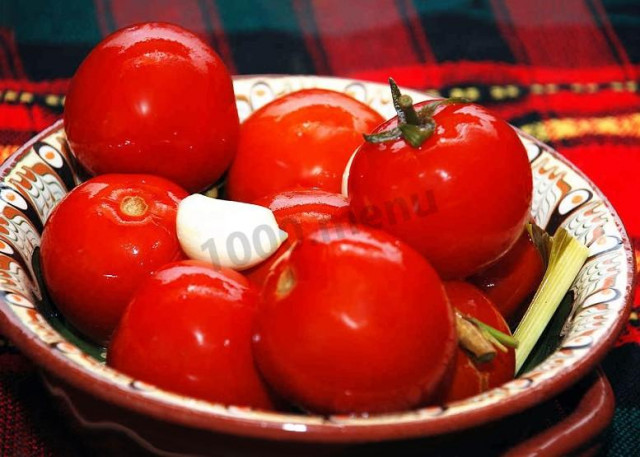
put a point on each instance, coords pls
(188, 330)
(300, 141)
(352, 321)
(101, 240)
(514, 277)
(461, 199)
(153, 98)
(470, 378)
(299, 213)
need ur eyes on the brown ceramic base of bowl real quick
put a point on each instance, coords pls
(568, 424)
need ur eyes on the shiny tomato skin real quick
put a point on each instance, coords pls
(461, 199)
(470, 378)
(354, 321)
(153, 98)
(299, 213)
(512, 278)
(95, 251)
(300, 141)
(188, 330)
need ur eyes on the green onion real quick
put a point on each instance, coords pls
(541, 239)
(566, 257)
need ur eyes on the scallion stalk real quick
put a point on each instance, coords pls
(566, 257)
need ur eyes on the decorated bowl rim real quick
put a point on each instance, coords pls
(286, 427)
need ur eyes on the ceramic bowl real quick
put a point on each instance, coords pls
(38, 175)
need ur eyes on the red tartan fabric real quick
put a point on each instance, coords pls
(15, 426)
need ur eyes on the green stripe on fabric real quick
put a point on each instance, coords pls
(463, 30)
(51, 22)
(257, 15)
(472, 8)
(265, 36)
(626, 430)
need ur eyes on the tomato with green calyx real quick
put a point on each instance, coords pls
(452, 180)
(470, 376)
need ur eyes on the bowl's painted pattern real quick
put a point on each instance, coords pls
(37, 176)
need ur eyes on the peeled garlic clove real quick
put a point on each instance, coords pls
(229, 234)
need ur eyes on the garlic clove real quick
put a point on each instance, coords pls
(225, 233)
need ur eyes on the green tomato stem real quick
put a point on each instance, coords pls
(406, 105)
(395, 95)
(382, 137)
(415, 135)
(500, 337)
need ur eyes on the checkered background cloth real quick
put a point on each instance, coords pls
(565, 71)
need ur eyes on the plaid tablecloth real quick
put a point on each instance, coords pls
(565, 71)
